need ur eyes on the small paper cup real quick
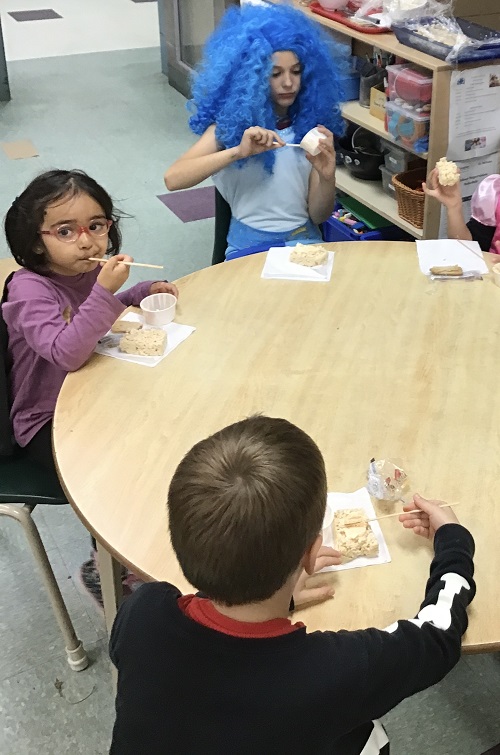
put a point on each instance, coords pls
(158, 309)
(496, 273)
(311, 140)
(328, 520)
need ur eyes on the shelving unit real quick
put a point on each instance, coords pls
(354, 112)
(370, 192)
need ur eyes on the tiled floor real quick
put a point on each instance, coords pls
(89, 111)
(89, 26)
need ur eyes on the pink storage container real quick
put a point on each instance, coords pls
(405, 83)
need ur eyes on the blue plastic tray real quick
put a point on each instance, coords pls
(489, 50)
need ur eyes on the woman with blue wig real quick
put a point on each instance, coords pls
(267, 77)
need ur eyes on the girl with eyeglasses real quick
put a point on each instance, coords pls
(60, 303)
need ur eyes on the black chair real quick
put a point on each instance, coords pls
(23, 485)
(222, 221)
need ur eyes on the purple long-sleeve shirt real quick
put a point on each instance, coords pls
(54, 323)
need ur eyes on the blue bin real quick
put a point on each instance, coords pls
(489, 39)
(333, 230)
(349, 85)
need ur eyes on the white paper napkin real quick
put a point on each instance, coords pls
(278, 266)
(357, 500)
(176, 334)
(446, 252)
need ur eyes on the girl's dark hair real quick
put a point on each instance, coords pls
(26, 214)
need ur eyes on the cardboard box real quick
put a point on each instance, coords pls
(377, 102)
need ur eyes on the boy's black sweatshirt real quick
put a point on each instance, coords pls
(184, 688)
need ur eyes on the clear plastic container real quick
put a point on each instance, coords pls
(387, 184)
(496, 273)
(408, 126)
(396, 159)
(409, 85)
(387, 480)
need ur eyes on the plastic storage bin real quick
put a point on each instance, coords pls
(334, 230)
(397, 159)
(489, 49)
(407, 126)
(407, 84)
(349, 85)
(387, 184)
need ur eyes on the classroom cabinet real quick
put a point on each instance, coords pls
(368, 192)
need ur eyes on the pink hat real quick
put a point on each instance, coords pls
(485, 199)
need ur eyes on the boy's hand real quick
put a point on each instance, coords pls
(324, 162)
(449, 196)
(162, 287)
(303, 595)
(256, 140)
(113, 275)
(430, 520)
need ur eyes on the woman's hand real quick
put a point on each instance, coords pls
(303, 595)
(162, 287)
(449, 196)
(256, 140)
(324, 161)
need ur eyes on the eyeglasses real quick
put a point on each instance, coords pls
(71, 232)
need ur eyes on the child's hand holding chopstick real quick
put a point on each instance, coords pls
(430, 517)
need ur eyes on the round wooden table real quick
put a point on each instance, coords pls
(380, 362)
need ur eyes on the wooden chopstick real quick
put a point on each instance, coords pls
(469, 249)
(131, 264)
(413, 511)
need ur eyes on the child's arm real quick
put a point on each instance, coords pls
(410, 656)
(206, 157)
(321, 197)
(304, 595)
(451, 198)
(65, 339)
(133, 296)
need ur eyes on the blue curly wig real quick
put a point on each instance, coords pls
(231, 86)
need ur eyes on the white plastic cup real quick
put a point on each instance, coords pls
(158, 309)
(328, 519)
(311, 141)
(496, 273)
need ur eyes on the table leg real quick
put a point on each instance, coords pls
(111, 584)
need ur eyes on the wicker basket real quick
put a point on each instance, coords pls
(411, 198)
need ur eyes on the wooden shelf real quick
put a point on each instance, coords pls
(371, 194)
(386, 42)
(354, 112)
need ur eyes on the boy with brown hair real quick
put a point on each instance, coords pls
(226, 670)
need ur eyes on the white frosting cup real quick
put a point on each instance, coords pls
(311, 141)
(158, 309)
(328, 520)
